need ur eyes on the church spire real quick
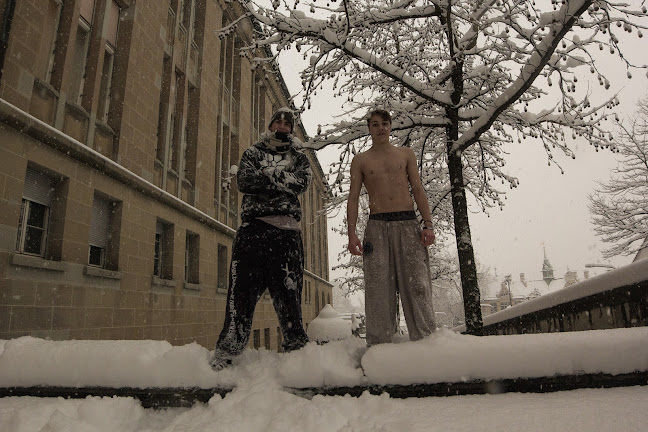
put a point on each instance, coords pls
(547, 268)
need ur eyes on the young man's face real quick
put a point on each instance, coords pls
(280, 125)
(379, 128)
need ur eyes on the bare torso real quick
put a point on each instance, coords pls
(384, 175)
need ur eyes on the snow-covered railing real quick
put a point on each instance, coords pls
(616, 299)
(159, 374)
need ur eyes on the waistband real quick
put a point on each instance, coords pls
(394, 216)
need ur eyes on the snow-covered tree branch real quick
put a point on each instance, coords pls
(462, 79)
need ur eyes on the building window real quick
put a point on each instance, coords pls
(258, 106)
(227, 140)
(106, 81)
(266, 338)
(33, 225)
(191, 133)
(165, 114)
(222, 267)
(163, 258)
(80, 52)
(313, 254)
(32, 230)
(317, 305)
(99, 224)
(105, 226)
(187, 14)
(192, 258)
(324, 257)
(157, 260)
(178, 134)
(257, 338)
(55, 7)
(310, 293)
(108, 62)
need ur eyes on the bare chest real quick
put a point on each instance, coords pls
(391, 168)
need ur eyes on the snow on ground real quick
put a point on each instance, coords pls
(258, 402)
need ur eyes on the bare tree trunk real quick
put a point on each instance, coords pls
(467, 266)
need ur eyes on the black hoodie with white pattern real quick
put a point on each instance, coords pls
(271, 181)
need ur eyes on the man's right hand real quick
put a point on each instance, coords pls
(355, 245)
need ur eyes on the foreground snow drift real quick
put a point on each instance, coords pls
(259, 403)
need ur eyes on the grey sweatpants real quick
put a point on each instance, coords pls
(395, 261)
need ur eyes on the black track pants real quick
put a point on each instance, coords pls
(264, 256)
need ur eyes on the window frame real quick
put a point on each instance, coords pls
(192, 258)
(103, 215)
(23, 226)
(38, 189)
(228, 128)
(163, 250)
(79, 63)
(158, 254)
(105, 86)
(53, 47)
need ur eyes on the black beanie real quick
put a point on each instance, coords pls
(283, 113)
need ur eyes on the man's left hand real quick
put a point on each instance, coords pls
(427, 237)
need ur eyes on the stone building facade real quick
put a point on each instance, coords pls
(120, 121)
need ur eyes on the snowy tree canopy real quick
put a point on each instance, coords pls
(620, 206)
(407, 53)
(462, 79)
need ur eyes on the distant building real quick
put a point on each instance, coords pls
(512, 292)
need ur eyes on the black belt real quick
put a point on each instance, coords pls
(394, 216)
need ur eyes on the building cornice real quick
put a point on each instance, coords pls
(314, 276)
(47, 135)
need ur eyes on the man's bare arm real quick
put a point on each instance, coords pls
(355, 245)
(427, 236)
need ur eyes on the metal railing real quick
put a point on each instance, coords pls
(616, 299)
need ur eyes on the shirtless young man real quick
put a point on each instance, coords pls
(394, 250)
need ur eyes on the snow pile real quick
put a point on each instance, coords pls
(450, 357)
(334, 364)
(442, 357)
(258, 401)
(271, 410)
(28, 361)
(328, 326)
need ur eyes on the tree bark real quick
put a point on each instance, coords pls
(467, 266)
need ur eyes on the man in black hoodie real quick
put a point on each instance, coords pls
(268, 250)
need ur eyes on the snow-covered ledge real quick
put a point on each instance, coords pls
(626, 276)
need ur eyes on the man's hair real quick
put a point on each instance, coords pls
(379, 112)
